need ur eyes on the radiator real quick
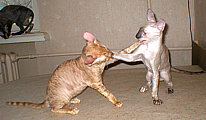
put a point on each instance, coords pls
(8, 67)
(9, 64)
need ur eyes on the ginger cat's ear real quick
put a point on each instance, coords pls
(89, 60)
(89, 37)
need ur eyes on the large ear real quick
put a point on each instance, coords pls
(89, 60)
(161, 24)
(89, 37)
(150, 16)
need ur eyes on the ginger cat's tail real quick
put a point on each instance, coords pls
(35, 105)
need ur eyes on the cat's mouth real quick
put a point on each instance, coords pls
(143, 42)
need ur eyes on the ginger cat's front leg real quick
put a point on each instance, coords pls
(106, 93)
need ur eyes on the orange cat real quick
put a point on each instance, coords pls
(73, 76)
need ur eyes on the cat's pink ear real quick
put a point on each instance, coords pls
(89, 37)
(161, 24)
(150, 16)
(89, 60)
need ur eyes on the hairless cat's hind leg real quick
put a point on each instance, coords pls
(149, 82)
(166, 76)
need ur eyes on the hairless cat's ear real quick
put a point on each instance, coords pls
(161, 24)
(89, 37)
(150, 16)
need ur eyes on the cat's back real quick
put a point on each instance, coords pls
(14, 8)
(66, 80)
(69, 70)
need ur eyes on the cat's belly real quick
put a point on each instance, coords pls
(164, 61)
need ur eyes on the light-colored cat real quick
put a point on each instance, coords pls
(154, 55)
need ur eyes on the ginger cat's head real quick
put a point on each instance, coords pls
(95, 52)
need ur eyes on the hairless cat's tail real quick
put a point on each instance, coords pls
(185, 71)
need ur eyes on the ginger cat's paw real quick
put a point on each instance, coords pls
(75, 101)
(118, 104)
(74, 111)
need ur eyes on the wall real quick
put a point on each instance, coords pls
(113, 22)
(199, 46)
(200, 18)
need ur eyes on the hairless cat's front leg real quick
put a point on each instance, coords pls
(127, 50)
(127, 57)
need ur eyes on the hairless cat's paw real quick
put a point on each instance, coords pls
(143, 89)
(170, 91)
(157, 102)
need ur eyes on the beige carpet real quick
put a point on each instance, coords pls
(188, 102)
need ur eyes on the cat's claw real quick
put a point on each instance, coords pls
(157, 102)
(118, 104)
(74, 111)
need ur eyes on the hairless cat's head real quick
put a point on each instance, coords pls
(153, 29)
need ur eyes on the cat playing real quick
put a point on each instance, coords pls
(154, 54)
(73, 76)
(18, 14)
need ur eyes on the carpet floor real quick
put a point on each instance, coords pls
(188, 102)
